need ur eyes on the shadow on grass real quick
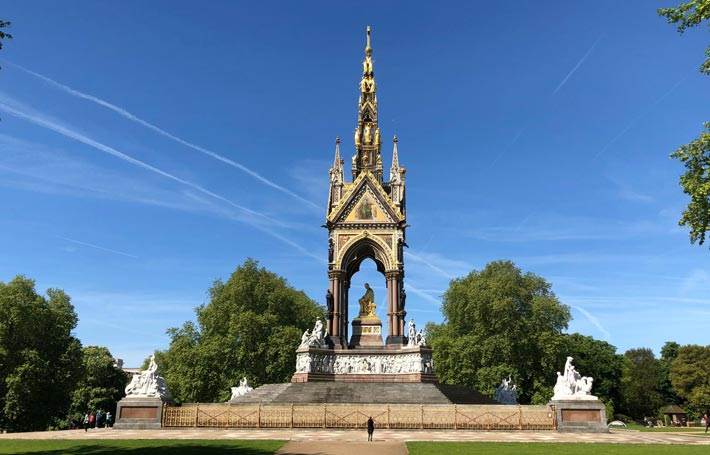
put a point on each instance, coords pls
(139, 447)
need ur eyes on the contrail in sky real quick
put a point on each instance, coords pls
(576, 67)
(45, 123)
(79, 242)
(639, 117)
(437, 269)
(594, 320)
(124, 113)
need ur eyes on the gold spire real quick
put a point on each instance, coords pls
(367, 133)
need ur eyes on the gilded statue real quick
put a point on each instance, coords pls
(357, 136)
(367, 302)
(367, 66)
(377, 137)
(367, 136)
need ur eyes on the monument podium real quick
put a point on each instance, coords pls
(142, 407)
(576, 409)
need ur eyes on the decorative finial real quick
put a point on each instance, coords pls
(337, 139)
(368, 47)
(394, 139)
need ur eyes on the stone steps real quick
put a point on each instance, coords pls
(363, 393)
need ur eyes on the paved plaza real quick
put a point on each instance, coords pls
(381, 436)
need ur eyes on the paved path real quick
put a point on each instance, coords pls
(349, 448)
(315, 435)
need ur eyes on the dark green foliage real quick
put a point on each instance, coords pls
(695, 156)
(669, 352)
(690, 376)
(251, 327)
(40, 360)
(500, 322)
(688, 15)
(640, 384)
(101, 384)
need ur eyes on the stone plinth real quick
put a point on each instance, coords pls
(367, 332)
(139, 413)
(408, 364)
(580, 415)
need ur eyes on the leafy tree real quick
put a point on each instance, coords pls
(499, 322)
(669, 352)
(599, 360)
(101, 385)
(40, 360)
(688, 15)
(251, 327)
(690, 375)
(695, 156)
(640, 383)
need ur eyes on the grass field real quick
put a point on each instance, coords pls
(140, 447)
(635, 426)
(536, 448)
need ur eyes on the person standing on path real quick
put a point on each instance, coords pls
(370, 428)
(86, 422)
(706, 417)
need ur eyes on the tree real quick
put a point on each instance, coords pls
(690, 375)
(640, 384)
(695, 156)
(101, 385)
(40, 360)
(3, 34)
(499, 322)
(688, 15)
(599, 360)
(669, 352)
(251, 327)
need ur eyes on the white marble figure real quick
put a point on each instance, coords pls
(148, 383)
(506, 392)
(571, 385)
(421, 338)
(314, 338)
(241, 390)
(412, 334)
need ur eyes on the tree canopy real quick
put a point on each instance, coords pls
(101, 384)
(640, 384)
(687, 15)
(690, 375)
(40, 359)
(695, 156)
(498, 322)
(251, 327)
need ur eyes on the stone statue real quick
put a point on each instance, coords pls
(367, 301)
(148, 384)
(412, 334)
(241, 390)
(571, 385)
(506, 392)
(331, 249)
(402, 298)
(421, 338)
(329, 301)
(314, 338)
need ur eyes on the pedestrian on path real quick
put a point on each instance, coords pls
(706, 417)
(86, 422)
(370, 428)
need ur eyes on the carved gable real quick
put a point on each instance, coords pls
(366, 202)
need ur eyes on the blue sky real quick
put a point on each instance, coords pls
(148, 148)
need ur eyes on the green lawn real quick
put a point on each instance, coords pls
(140, 447)
(636, 426)
(539, 448)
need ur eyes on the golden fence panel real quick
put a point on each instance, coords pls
(395, 416)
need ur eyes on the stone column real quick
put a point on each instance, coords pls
(345, 289)
(334, 324)
(393, 307)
